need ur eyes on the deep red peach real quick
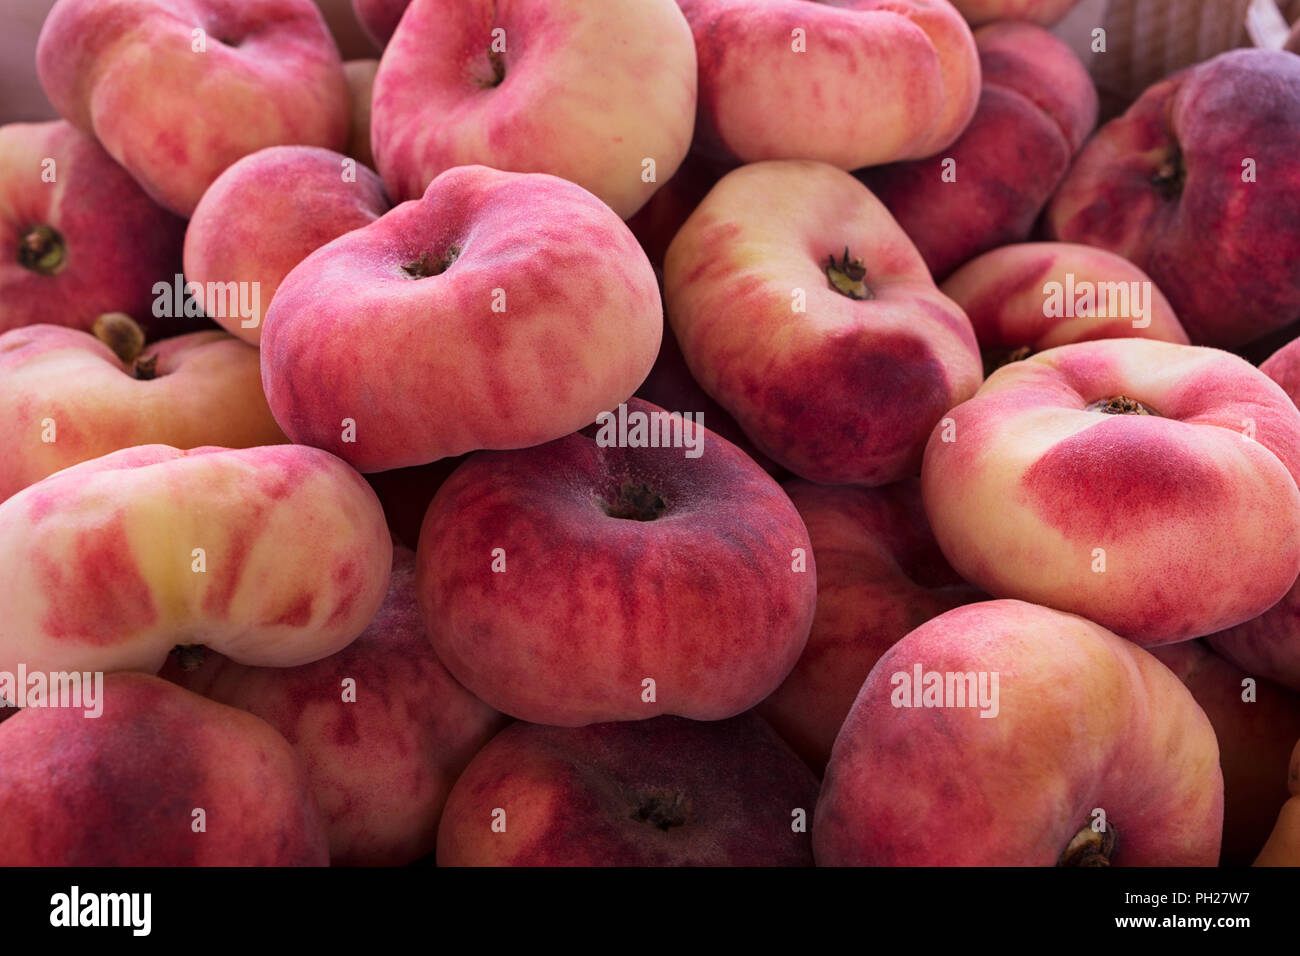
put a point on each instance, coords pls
(161, 778)
(1255, 730)
(83, 243)
(662, 792)
(1198, 183)
(576, 582)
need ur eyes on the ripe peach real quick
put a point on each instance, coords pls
(1006, 734)
(662, 792)
(303, 196)
(601, 94)
(502, 310)
(1033, 296)
(84, 242)
(1037, 105)
(1148, 485)
(161, 778)
(65, 397)
(851, 83)
(1268, 646)
(582, 581)
(176, 92)
(381, 728)
(1197, 184)
(804, 310)
(879, 576)
(274, 556)
(1255, 729)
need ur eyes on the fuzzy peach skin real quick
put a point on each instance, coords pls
(127, 71)
(584, 91)
(1043, 12)
(266, 213)
(1037, 104)
(845, 391)
(1083, 721)
(1052, 485)
(1165, 185)
(381, 764)
(361, 85)
(122, 789)
(662, 792)
(1005, 294)
(65, 398)
(1268, 646)
(1255, 730)
(86, 243)
(621, 565)
(99, 570)
(379, 18)
(876, 81)
(501, 310)
(1283, 846)
(879, 576)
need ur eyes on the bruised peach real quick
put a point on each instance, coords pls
(1148, 485)
(176, 92)
(273, 556)
(805, 311)
(1006, 734)
(78, 237)
(662, 792)
(879, 576)
(596, 578)
(382, 730)
(65, 397)
(161, 778)
(303, 196)
(502, 310)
